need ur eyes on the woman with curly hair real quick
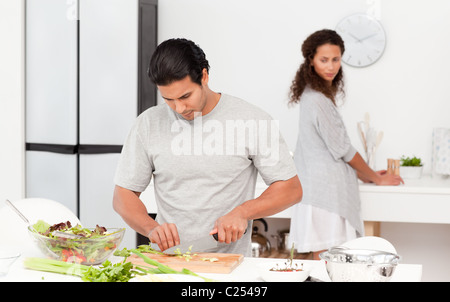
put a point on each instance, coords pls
(327, 164)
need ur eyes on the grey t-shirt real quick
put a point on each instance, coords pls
(321, 157)
(204, 168)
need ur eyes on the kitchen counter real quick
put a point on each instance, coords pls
(424, 200)
(245, 272)
(424, 185)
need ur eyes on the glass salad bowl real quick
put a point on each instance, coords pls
(91, 249)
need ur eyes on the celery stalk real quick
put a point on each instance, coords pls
(55, 266)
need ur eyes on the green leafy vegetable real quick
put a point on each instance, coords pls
(407, 161)
(41, 226)
(107, 272)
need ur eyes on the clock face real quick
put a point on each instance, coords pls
(364, 39)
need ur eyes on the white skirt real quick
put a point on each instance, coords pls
(314, 229)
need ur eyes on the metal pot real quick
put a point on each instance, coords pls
(346, 265)
(282, 241)
(260, 244)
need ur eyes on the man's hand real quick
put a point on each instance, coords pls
(230, 227)
(164, 235)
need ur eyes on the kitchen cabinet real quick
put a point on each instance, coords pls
(59, 170)
(86, 82)
(51, 73)
(51, 102)
(424, 200)
(108, 69)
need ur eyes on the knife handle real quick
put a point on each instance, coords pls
(216, 236)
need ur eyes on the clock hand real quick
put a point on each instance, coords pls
(369, 36)
(358, 40)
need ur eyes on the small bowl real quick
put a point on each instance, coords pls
(359, 265)
(411, 172)
(7, 258)
(269, 275)
(79, 250)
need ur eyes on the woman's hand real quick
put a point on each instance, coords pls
(388, 180)
(366, 174)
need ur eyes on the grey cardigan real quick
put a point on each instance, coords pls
(321, 155)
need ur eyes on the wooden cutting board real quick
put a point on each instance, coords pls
(225, 264)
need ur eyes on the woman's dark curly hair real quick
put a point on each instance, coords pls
(306, 75)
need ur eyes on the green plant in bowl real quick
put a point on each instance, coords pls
(411, 167)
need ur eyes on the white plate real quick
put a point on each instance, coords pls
(370, 243)
(267, 275)
(167, 278)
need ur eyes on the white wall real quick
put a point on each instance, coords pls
(11, 101)
(253, 47)
(406, 92)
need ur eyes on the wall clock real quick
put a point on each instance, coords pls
(364, 38)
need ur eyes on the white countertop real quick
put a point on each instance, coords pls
(245, 272)
(424, 185)
(424, 200)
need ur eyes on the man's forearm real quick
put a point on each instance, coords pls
(128, 205)
(279, 196)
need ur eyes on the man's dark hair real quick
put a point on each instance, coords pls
(174, 59)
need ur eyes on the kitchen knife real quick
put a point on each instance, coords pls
(199, 245)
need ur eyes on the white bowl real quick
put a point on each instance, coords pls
(408, 172)
(269, 275)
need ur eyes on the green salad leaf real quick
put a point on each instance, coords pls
(41, 226)
(108, 272)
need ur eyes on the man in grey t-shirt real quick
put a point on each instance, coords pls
(204, 151)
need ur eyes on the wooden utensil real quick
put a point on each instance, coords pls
(393, 166)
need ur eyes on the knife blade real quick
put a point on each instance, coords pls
(199, 245)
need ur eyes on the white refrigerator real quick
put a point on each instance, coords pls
(86, 83)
